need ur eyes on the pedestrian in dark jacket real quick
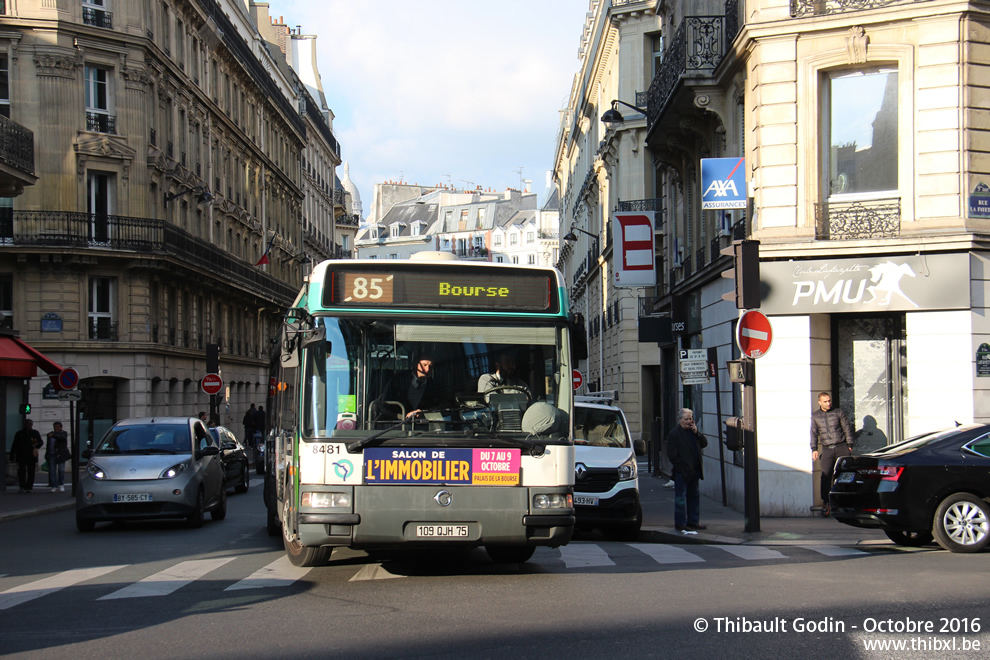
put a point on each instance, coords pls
(684, 445)
(249, 422)
(831, 438)
(24, 452)
(57, 453)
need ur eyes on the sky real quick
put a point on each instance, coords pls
(444, 91)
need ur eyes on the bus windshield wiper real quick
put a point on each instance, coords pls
(358, 445)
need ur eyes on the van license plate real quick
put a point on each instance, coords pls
(132, 497)
(845, 478)
(585, 500)
(441, 531)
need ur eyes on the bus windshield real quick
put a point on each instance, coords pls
(437, 382)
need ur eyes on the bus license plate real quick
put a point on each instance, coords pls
(845, 478)
(441, 531)
(132, 497)
(585, 500)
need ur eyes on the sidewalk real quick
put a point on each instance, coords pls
(15, 505)
(726, 525)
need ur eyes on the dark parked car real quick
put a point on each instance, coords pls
(931, 486)
(162, 467)
(234, 458)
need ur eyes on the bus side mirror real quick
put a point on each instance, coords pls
(579, 338)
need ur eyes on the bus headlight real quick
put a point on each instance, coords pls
(628, 469)
(553, 501)
(326, 500)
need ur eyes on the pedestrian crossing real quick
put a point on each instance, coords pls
(127, 581)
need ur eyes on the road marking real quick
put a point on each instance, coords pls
(172, 578)
(583, 555)
(751, 552)
(833, 550)
(279, 573)
(373, 572)
(666, 554)
(48, 585)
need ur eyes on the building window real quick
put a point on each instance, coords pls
(530, 236)
(498, 241)
(98, 97)
(415, 229)
(531, 260)
(657, 44)
(101, 308)
(862, 132)
(515, 260)
(6, 301)
(513, 239)
(498, 259)
(95, 13)
(4, 87)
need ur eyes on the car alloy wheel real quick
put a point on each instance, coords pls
(962, 523)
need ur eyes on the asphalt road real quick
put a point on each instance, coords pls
(157, 590)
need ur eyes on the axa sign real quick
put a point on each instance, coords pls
(892, 283)
(723, 183)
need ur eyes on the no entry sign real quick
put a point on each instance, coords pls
(578, 379)
(754, 334)
(212, 383)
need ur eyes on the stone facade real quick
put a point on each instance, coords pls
(169, 160)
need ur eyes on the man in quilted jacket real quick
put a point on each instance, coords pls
(831, 437)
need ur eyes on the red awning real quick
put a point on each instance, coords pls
(19, 360)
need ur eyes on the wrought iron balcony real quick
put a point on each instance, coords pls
(349, 220)
(97, 17)
(695, 51)
(103, 329)
(16, 145)
(802, 8)
(847, 221)
(99, 122)
(63, 229)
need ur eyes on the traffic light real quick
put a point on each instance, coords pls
(26, 409)
(745, 272)
(734, 433)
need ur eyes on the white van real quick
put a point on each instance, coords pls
(606, 481)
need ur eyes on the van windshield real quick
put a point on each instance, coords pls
(599, 427)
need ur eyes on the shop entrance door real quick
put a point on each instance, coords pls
(870, 377)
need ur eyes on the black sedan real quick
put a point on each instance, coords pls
(234, 458)
(931, 486)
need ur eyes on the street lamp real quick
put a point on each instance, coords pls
(571, 237)
(613, 116)
(203, 195)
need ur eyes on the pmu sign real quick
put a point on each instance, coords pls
(723, 183)
(632, 233)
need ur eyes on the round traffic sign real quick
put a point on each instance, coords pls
(212, 383)
(754, 334)
(578, 379)
(68, 378)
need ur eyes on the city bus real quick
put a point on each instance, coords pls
(366, 450)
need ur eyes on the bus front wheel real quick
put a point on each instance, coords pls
(301, 555)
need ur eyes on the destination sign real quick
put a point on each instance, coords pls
(477, 289)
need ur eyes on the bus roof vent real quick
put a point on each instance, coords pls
(428, 255)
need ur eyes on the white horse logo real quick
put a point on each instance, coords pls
(887, 278)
